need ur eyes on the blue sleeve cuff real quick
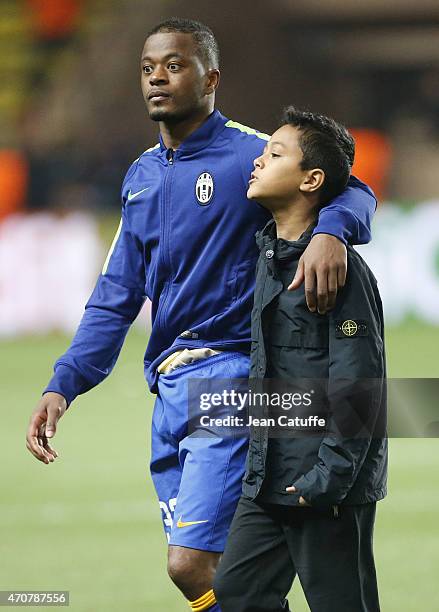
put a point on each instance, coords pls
(67, 382)
(334, 222)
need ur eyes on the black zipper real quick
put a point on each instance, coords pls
(165, 247)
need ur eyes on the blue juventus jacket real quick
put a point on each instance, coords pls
(186, 241)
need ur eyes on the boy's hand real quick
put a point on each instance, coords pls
(323, 267)
(302, 500)
(42, 426)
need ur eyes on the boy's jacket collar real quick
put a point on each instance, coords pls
(283, 248)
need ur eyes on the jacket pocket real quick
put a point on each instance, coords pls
(299, 353)
(314, 338)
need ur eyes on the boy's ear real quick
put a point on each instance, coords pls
(312, 180)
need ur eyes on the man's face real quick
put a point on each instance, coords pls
(277, 175)
(174, 80)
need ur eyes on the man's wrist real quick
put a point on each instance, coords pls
(315, 233)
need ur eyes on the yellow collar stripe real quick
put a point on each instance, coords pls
(246, 130)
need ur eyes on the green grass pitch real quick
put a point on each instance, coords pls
(90, 522)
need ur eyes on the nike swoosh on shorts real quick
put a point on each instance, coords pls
(181, 523)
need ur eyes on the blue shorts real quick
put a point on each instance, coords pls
(197, 479)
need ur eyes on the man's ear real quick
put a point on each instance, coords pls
(312, 181)
(212, 80)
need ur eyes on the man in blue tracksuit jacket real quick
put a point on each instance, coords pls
(186, 241)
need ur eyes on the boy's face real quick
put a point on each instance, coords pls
(277, 175)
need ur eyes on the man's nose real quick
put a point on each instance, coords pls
(158, 76)
(258, 162)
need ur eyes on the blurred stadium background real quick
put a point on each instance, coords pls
(71, 121)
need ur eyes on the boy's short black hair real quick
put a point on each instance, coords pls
(206, 43)
(325, 144)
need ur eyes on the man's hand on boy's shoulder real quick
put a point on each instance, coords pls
(323, 267)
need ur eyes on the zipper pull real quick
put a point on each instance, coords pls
(335, 510)
(170, 156)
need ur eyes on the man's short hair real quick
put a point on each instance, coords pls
(325, 144)
(206, 43)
